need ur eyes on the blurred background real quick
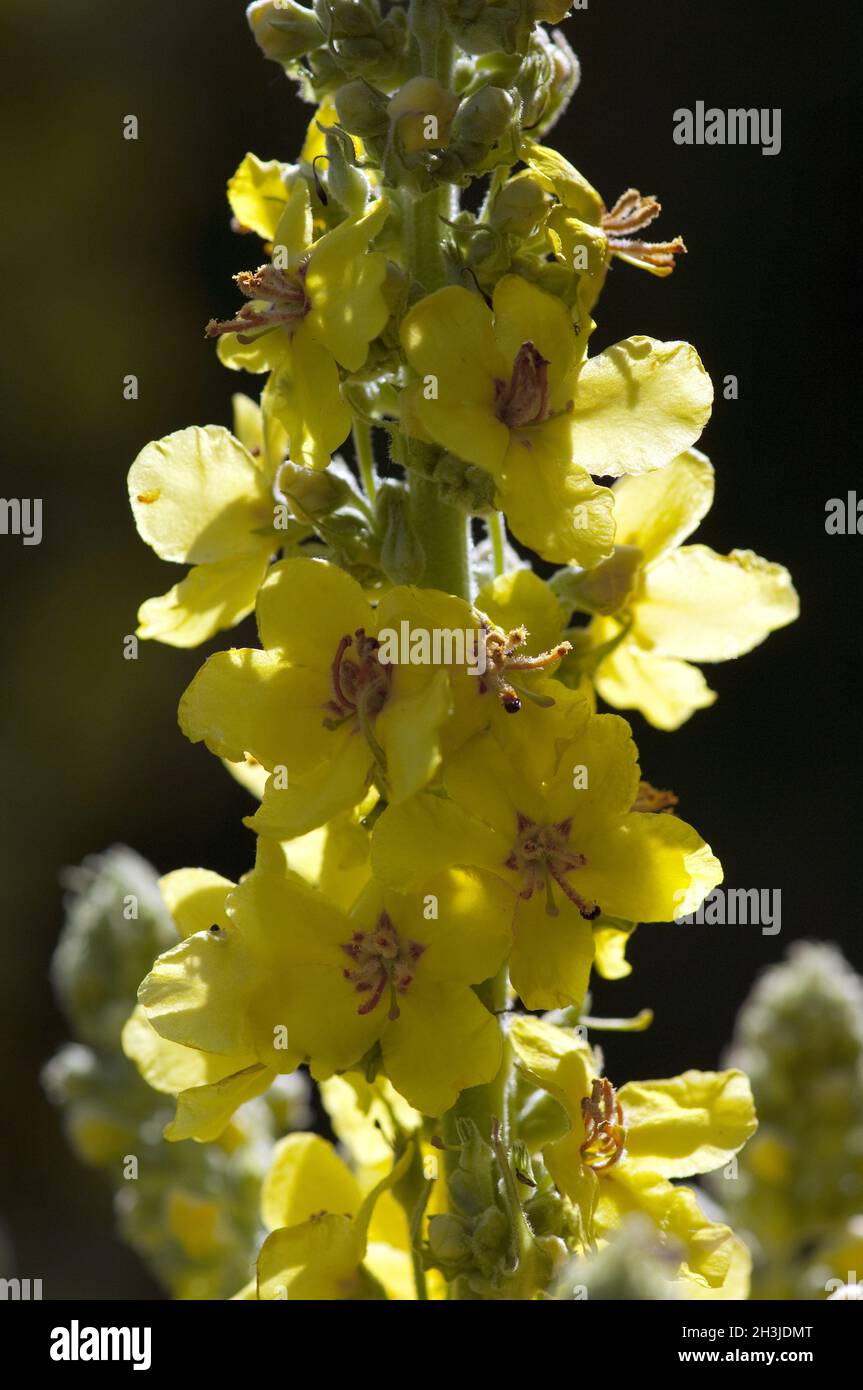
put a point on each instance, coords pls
(115, 253)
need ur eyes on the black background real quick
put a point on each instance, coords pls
(116, 253)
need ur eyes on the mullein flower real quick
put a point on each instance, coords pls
(204, 497)
(585, 235)
(314, 308)
(283, 975)
(686, 603)
(318, 704)
(509, 389)
(625, 1147)
(327, 1240)
(550, 814)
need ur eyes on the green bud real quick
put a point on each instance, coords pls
(606, 589)
(310, 492)
(484, 117)
(347, 184)
(362, 109)
(402, 556)
(283, 30)
(520, 207)
(480, 27)
(448, 1240)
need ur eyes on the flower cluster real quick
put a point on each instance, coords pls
(450, 835)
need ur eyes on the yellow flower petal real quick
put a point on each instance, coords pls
(303, 395)
(652, 868)
(524, 313)
(169, 1067)
(443, 1042)
(196, 899)
(638, 405)
(210, 598)
(551, 955)
(204, 1111)
(306, 1176)
(198, 496)
(306, 607)
(344, 283)
(551, 503)
(257, 193)
(656, 511)
(689, 1124)
(316, 1261)
(665, 690)
(707, 607)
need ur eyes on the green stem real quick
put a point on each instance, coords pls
(442, 530)
(497, 533)
(365, 456)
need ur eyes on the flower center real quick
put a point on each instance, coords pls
(502, 657)
(360, 686)
(284, 295)
(542, 855)
(523, 400)
(605, 1133)
(382, 961)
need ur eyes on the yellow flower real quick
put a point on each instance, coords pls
(204, 497)
(192, 1050)
(291, 977)
(318, 709)
(624, 1147)
(545, 804)
(508, 389)
(315, 307)
(687, 603)
(328, 1240)
(584, 235)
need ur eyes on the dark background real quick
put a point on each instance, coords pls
(116, 253)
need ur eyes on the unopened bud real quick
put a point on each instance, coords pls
(521, 206)
(422, 112)
(283, 30)
(362, 109)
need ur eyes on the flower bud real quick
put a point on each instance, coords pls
(362, 109)
(422, 112)
(480, 27)
(483, 119)
(310, 492)
(520, 206)
(283, 30)
(448, 1240)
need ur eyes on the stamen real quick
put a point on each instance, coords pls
(543, 856)
(383, 964)
(283, 291)
(631, 213)
(523, 400)
(602, 1114)
(502, 655)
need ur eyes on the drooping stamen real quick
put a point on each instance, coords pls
(631, 213)
(284, 293)
(523, 400)
(542, 854)
(382, 961)
(651, 798)
(605, 1132)
(502, 657)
